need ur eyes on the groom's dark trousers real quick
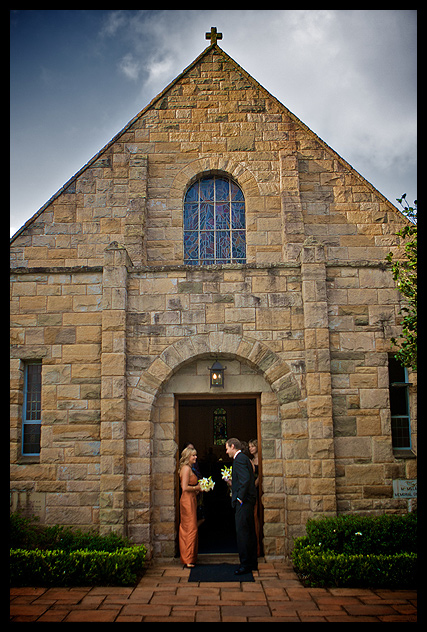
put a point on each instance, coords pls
(243, 489)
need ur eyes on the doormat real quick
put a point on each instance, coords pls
(218, 573)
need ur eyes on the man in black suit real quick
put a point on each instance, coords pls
(243, 498)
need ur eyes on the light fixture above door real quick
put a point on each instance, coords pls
(217, 375)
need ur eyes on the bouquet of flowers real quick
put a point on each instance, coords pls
(226, 473)
(206, 484)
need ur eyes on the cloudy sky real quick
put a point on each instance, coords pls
(78, 77)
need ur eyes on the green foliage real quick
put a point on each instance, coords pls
(38, 567)
(355, 534)
(25, 533)
(61, 556)
(405, 273)
(355, 550)
(325, 568)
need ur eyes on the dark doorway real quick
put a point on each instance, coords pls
(206, 423)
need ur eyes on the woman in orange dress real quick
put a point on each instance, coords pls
(188, 535)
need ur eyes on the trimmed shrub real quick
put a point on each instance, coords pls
(22, 531)
(61, 556)
(354, 550)
(326, 568)
(72, 568)
(26, 533)
(354, 534)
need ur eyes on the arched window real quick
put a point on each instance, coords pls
(214, 222)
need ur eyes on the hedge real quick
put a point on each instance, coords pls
(72, 568)
(354, 534)
(360, 551)
(27, 533)
(326, 568)
(61, 556)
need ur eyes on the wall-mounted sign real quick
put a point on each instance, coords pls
(405, 488)
(28, 503)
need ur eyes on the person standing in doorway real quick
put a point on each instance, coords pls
(243, 498)
(188, 535)
(253, 449)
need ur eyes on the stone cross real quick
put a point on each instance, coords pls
(213, 35)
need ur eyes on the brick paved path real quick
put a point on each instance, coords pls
(164, 594)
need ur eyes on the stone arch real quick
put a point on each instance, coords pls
(211, 164)
(256, 354)
(226, 165)
(151, 503)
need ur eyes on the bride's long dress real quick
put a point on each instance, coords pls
(188, 535)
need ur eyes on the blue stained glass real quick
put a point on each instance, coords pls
(238, 215)
(236, 193)
(207, 245)
(222, 217)
(222, 190)
(206, 216)
(192, 194)
(239, 247)
(191, 245)
(223, 245)
(191, 216)
(207, 189)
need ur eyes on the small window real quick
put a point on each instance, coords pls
(220, 426)
(214, 222)
(31, 425)
(399, 405)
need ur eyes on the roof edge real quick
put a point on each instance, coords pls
(161, 94)
(110, 142)
(316, 137)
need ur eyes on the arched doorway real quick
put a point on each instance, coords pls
(184, 411)
(183, 369)
(206, 421)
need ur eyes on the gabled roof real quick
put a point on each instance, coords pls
(249, 78)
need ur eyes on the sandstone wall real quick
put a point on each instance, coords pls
(213, 118)
(56, 318)
(100, 295)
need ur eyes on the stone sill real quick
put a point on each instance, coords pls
(404, 454)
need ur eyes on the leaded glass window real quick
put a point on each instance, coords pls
(220, 426)
(214, 222)
(399, 404)
(32, 408)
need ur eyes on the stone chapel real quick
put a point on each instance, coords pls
(216, 227)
